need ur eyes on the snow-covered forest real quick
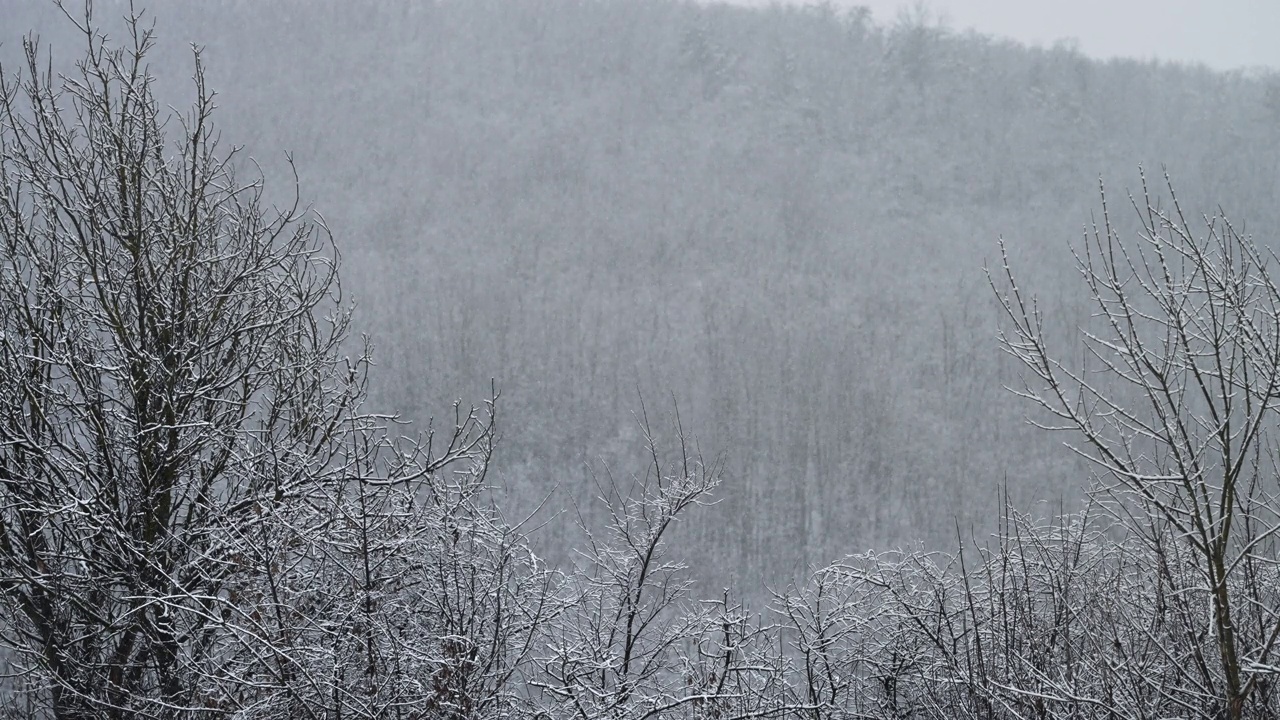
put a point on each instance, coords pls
(629, 359)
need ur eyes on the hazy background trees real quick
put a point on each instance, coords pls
(779, 215)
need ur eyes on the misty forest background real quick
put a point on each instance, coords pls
(778, 216)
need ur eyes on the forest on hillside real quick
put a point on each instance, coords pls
(780, 217)
(758, 318)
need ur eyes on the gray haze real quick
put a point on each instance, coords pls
(1225, 35)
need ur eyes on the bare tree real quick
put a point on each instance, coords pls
(395, 592)
(630, 643)
(1176, 402)
(197, 516)
(168, 368)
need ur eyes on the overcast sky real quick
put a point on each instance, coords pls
(1223, 34)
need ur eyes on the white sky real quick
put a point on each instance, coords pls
(1223, 34)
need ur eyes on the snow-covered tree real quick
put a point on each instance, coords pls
(197, 515)
(1175, 402)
